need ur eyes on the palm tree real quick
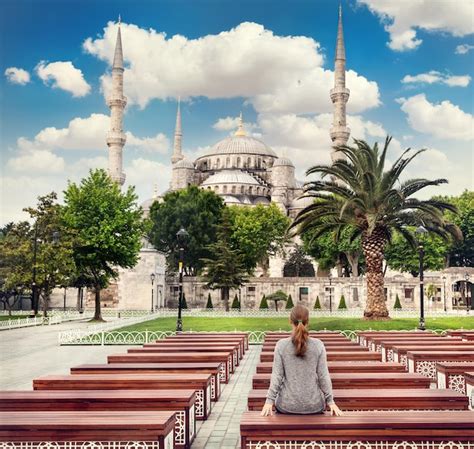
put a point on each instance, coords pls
(361, 194)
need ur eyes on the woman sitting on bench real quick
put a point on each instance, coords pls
(300, 381)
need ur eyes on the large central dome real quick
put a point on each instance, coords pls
(241, 145)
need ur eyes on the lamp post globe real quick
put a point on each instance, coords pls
(181, 237)
(421, 232)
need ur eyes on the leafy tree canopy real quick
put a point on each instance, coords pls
(196, 210)
(298, 264)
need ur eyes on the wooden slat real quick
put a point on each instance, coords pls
(348, 366)
(333, 356)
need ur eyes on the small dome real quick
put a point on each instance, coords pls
(184, 163)
(283, 162)
(262, 200)
(231, 177)
(246, 200)
(229, 199)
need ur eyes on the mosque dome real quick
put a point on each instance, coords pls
(229, 199)
(283, 162)
(230, 177)
(241, 145)
(184, 163)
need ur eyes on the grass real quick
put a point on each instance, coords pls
(12, 317)
(269, 324)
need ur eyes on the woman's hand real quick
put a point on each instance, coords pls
(335, 410)
(267, 410)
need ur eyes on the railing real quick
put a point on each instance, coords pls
(52, 318)
(103, 337)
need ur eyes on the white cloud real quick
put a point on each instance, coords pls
(17, 76)
(89, 134)
(434, 76)
(145, 174)
(39, 161)
(403, 18)
(63, 75)
(231, 124)
(463, 49)
(276, 73)
(444, 120)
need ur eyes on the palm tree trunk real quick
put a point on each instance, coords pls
(373, 247)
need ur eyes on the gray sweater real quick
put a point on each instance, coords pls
(300, 385)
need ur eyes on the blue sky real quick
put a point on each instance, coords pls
(270, 58)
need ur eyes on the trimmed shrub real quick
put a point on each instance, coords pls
(317, 304)
(264, 303)
(397, 305)
(235, 302)
(289, 303)
(342, 303)
(209, 302)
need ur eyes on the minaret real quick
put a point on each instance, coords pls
(116, 102)
(339, 95)
(178, 137)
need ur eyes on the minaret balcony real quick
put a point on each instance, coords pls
(119, 101)
(119, 179)
(339, 93)
(340, 132)
(116, 138)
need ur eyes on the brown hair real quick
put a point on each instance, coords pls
(300, 317)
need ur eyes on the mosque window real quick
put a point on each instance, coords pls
(258, 190)
(233, 189)
(250, 190)
(227, 162)
(249, 162)
(216, 188)
(238, 162)
(225, 189)
(242, 190)
(218, 163)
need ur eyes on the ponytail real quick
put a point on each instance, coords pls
(300, 317)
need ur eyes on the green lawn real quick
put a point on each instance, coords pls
(269, 324)
(12, 317)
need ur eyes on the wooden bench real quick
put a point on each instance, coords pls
(197, 347)
(374, 342)
(181, 402)
(200, 383)
(204, 339)
(178, 357)
(452, 375)
(368, 430)
(459, 333)
(469, 376)
(467, 337)
(400, 351)
(349, 366)
(244, 336)
(81, 430)
(156, 368)
(360, 380)
(335, 356)
(329, 348)
(424, 362)
(270, 346)
(385, 345)
(362, 336)
(384, 399)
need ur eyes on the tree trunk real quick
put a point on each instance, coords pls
(225, 297)
(78, 299)
(353, 259)
(97, 312)
(339, 267)
(373, 247)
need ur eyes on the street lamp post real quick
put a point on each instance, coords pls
(33, 283)
(467, 291)
(444, 293)
(152, 278)
(181, 236)
(421, 231)
(330, 292)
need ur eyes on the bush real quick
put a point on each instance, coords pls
(342, 303)
(317, 304)
(184, 304)
(236, 302)
(263, 303)
(209, 302)
(289, 303)
(397, 305)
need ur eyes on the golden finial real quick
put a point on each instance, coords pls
(240, 130)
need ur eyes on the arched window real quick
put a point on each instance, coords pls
(238, 162)
(218, 163)
(242, 190)
(258, 190)
(259, 163)
(250, 190)
(233, 189)
(227, 162)
(216, 188)
(225, 189)
(249, 162)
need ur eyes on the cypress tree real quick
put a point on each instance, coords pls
(209, 302)
(397, 305)
(342, 303)
(289, 303)
(235, 302)
(264, 303)
(317, 304)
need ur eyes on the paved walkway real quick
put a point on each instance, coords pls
(30, 352)
(222, 429)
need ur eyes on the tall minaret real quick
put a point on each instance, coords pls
(178, 137)
(340, 94)
(116, 102)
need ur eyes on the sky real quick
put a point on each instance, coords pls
(410, 65)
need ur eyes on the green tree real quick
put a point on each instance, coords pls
(298, 264)
(224, 269)
(236, 302)
(209, 302)
(342, 303)
(108, 229)
(289, 303)
(397, 305)
(263, 303)
(401, 256)
(196, 210)
(317, 304)
(356, 191)
(276, 297)
(258, 232)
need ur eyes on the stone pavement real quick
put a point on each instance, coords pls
(222, 429)
(30, 352)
